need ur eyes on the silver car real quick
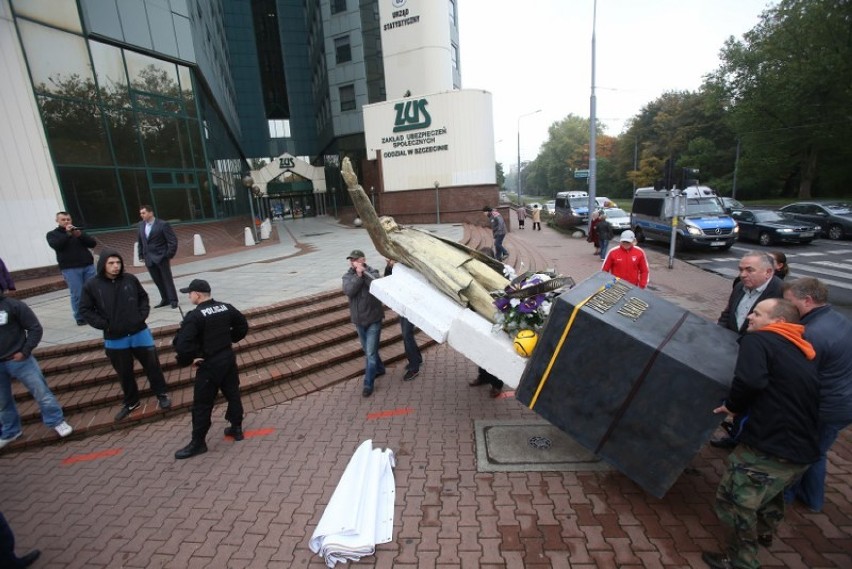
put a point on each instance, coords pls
(617, 218)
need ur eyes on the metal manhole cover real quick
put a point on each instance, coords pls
(530, 445)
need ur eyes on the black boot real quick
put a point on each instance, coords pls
(235, 432)
(193, 448)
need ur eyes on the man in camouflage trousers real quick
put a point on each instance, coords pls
(775, 388)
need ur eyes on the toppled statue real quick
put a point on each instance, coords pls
(465, 275)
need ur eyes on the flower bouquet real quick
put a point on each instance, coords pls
(525, 303)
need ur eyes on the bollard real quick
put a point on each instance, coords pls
(265, 229)
(198, 246)
(137, 262)
(249, 237)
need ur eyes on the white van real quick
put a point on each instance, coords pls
(702, 221)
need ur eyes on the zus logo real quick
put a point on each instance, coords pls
(408, 115)
(286, 162)
(398, 3)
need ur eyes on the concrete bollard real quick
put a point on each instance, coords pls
(198, 246)
(249, 237)
(265, 229)
(137, 262)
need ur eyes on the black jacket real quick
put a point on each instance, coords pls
(776, 389)
(208, 330)
(117, 306)
(20, 330)
(728, 318)
(71, 252)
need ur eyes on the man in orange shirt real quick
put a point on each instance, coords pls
(628, 262)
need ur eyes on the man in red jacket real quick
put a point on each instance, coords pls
(628, 262)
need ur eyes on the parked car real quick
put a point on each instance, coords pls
(530, 205)
(617, 218)
(550, 207)
(730, 204)
(833, 218)
(767, 227)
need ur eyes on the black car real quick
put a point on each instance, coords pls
(767, 227)
(833, 218)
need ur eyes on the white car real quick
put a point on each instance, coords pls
(550, 207)
(617, 218)
(604, 202)
(530, 206)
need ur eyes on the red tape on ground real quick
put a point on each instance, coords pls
(254, 433)
(391, 413)
(91, 456)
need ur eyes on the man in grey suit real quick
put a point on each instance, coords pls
(157, 245)
(757, 282)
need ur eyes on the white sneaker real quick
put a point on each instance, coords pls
(64, 429)
(4, 442)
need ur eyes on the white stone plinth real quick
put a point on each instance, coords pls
(198, 246)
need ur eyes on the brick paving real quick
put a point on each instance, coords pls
(121, 500)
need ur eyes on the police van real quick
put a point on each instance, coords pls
(572, 209)
(701, 220)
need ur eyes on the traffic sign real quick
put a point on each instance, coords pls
(581, 174)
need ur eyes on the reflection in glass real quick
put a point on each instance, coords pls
(176, 204)
(59, 13)
(165, 141)
(186, 90)
(58, 61)
(92, 197)
(125, 138)
(134, 186)
(75, 131)
(195, 139)
(207, 209)
(109, 69)
(151, 75)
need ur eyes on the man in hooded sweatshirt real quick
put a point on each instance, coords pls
(776, 389)
(115, 302)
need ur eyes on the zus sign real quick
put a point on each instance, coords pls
(408, 115)
(286, 162)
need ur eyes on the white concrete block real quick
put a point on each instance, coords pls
(249, 237)
(137, 262)
(409, 294)
(198, 246)
(474, 337)
(265, 229)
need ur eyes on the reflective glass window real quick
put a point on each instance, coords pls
(124, 134)
(152, 75)
(58, 13)
(338, 6)
(58, 61)
(75, 131)
(136, 191)
(342, 49)
(165, 140)
(109, 70)
(347, 98)
(92, 197)
(187, 90)
(207, 209)
(176, 204)
(194, 129)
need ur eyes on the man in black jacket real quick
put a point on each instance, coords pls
(204, 340)
(116, 303)
(776, 388)
(157, 246)
(74, 256)
(757, 282)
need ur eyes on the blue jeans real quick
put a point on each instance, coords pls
(604, 247)
(412, 351)
(369, 336)
(28, 373)
(810, 489)
(75, 279)
(498, 246)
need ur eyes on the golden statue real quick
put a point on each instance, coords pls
(465, 275)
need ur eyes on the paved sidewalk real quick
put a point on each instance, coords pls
(121, 500)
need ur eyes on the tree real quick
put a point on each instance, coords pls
(501, 179)
(788, 85)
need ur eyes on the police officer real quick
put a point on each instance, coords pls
(204, 341)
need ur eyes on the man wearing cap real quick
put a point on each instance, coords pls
(205, 340)
(628, 261)
(498, 231)
(367, 313)
(115, 302)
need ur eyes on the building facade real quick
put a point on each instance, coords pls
(113, 104)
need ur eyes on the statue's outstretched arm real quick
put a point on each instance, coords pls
(366, 212)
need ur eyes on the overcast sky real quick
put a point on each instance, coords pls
(536, 54)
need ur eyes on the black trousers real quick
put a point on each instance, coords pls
(122, 363)
(492, 379)
(216, 373)
(161, 274)
(7, 546)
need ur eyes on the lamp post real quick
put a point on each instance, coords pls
(593, 128)
(437, 202)
(519, 152)
(334, 199)
(248, 182)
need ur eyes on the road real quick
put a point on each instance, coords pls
(829, 261)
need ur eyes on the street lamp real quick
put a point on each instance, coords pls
(519, 152)
(248, 182)
(437, 203)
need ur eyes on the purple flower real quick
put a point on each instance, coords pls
(502, 304)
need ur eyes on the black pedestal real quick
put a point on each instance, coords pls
(630, 376)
